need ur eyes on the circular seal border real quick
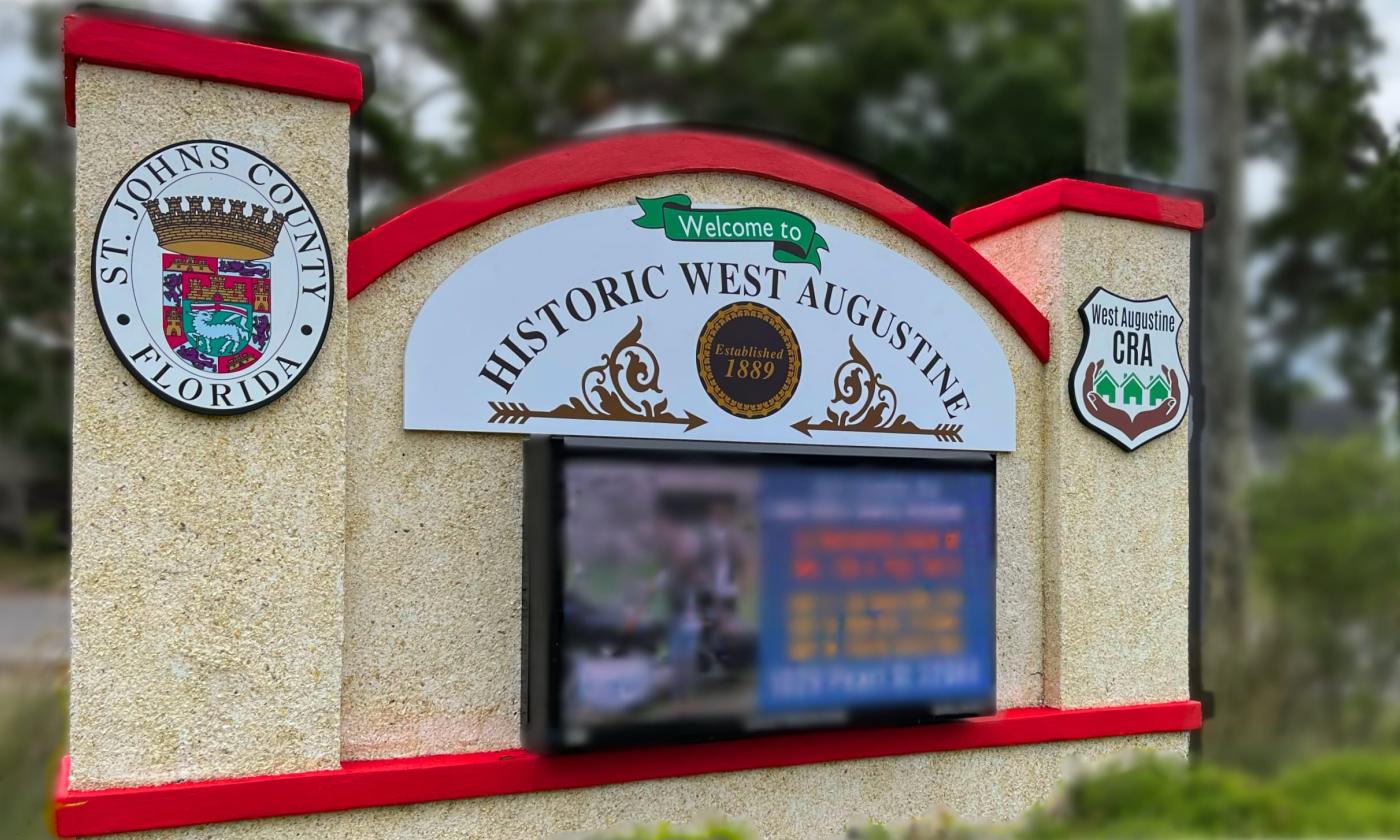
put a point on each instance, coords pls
(102, 316)
(705, 344)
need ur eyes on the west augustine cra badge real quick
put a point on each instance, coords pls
(212, 277)
(1128, 383)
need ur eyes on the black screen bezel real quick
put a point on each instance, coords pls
(542, 583)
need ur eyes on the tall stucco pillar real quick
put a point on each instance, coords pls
(1117, 524)
(208, 549)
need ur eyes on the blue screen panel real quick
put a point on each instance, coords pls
(876, 588)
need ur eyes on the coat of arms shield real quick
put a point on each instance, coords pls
(216, 312)
(212, 277)
(1129, 382)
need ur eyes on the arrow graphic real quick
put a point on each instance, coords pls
(947, 432)
(514, 413)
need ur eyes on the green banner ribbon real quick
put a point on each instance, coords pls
(795, 238)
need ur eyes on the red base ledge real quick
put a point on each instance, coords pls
(1081, 196)
(402, 781)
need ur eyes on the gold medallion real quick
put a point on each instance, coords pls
(748, 360)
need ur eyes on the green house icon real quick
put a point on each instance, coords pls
(1105, 387)
(1157, 390)
(1132, 390)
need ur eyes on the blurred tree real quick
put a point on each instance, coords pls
(965, 102)
(1320, 667)
(36, 294)
(1331, 244)
(1329, 253)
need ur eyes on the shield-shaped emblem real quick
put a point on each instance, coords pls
(217, 312)
(1129, 383)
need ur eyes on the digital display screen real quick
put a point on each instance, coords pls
(707, 594)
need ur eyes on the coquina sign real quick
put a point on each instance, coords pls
(667, 320)
(566, 611)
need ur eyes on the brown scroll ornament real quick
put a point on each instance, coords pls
(617, 388)
(864, 403)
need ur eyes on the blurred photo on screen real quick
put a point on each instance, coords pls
(724, 598)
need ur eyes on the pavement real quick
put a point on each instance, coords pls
(33, 629)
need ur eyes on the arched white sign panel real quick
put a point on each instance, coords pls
(666, 320)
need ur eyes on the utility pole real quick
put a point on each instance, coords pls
(1213, 131)
(1107, 146)
(1190, 165)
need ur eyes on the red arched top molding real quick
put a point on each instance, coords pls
(592, 163)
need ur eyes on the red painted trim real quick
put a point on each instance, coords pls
(1081, 196)
(402, 781)
(592, 163)
(115, 42)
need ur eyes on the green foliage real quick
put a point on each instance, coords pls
(33, 721)
(1349, 794)
(939, 94)
(1334, 267)
(1327, 534)
(711, 830)
(41, 533)
(1345, 794)
(1163, 798)
(965, 102)
(1323, 654)
(23, 569)
(945, 829)
(36, 269)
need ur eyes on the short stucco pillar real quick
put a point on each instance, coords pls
(208, 551)
(1117, 528)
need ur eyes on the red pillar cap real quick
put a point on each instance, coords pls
(1083, 197)
(135, 45)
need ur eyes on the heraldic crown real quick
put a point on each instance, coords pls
(224, 229)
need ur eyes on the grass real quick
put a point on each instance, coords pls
(33, 724)
(45, 571)
(712, 830)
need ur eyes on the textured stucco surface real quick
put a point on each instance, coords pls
(206, 624)
(432, 644)
(812, 802)
(1116, 524)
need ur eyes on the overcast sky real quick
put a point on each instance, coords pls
(1385, 16)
